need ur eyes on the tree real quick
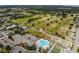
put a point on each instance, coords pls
(72, 15)
(61, 19)
(48, 19)
(33, 47)
(64, 15)
(17, 31)
(1, 46)
(33, 24)
(20, 51)
(51, 22)
(78, 50)
(2, 51)
(20, 31)
(71, 24)
(8, 48)
(70, 27)
(32, 19)
(63, 37)
(10, 37)
(47, 24)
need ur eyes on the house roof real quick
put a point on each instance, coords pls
(24, 38)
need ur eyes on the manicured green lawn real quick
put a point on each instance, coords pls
(20, 20)
(55, 23)
(37, 33)
(24, 21)
(33, 32)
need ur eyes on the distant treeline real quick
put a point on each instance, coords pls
(68, 8)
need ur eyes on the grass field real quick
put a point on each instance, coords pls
(49, 23)
(56, 49)
(37, 34)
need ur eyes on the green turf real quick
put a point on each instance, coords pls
(20, 20)
(56, 49)
(33, 32)
(40, 22)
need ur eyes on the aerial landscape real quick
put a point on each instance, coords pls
(39, 29)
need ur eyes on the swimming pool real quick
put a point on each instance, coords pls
(43, 43)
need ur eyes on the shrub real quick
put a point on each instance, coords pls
(8, 48)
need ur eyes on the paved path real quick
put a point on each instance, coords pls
(52, 48)
(67, 51)
(37, 49)
(76, 41)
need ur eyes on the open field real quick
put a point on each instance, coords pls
(51, 24)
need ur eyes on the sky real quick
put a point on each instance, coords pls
(38, 2)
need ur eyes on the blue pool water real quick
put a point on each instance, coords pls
(43, 43)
